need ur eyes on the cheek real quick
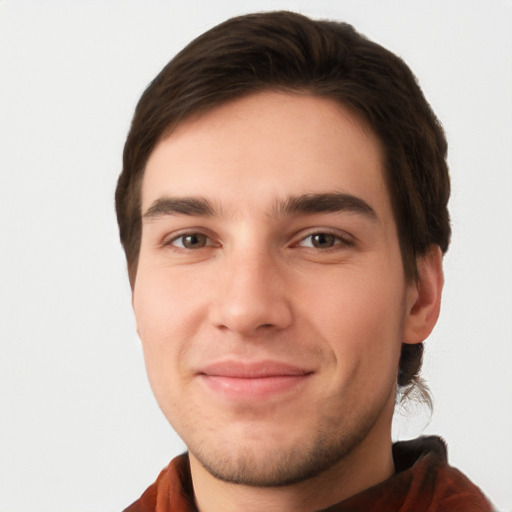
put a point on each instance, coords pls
(164, 302)
(360, 318)
(167, 313)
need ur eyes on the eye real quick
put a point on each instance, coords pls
(322, 241)
(191, 241)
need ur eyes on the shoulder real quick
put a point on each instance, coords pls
(171, 491)
(447, 488)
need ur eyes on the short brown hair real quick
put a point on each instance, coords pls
(288, 52)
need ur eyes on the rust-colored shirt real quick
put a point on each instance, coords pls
(423, 482)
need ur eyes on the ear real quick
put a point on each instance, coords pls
(424, 297)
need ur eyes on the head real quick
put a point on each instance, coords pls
(287, 52)
(284, 54)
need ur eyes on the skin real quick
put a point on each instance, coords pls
(243, 277)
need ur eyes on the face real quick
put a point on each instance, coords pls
(270, 296)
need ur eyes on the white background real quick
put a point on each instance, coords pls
(79, 428)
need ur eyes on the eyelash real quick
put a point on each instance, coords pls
(339, 241)
(171, 242)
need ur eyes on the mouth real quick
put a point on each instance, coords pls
(255, 380)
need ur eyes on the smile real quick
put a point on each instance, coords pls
(252, 381)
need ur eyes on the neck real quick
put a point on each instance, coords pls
(368, 464)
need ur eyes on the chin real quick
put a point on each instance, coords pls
(264, 463)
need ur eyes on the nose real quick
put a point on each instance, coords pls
(252, 296)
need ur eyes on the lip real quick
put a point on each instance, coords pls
(253, 380)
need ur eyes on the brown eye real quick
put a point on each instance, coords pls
(323, 240)
(191, 241)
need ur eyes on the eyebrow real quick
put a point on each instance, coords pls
(303, 204)
(194, 206)
(324, 203)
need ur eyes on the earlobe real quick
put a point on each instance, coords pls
(424, 297)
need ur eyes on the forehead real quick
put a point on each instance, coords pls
(248, 152)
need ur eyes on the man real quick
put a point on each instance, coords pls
(283, 209)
